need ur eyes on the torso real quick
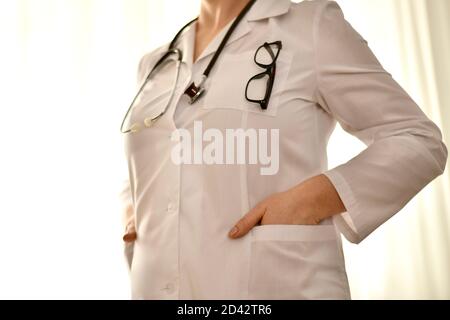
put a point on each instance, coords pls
(184, 212)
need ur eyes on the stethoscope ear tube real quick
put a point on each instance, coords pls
(175, 39)
(150, 121)
(179, 55)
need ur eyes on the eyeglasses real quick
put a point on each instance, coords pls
(156, 100)
(265, 57)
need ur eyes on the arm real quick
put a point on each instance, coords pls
(308, 203)
(128, 222)
(404, 148)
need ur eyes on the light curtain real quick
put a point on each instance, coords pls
(68, 71)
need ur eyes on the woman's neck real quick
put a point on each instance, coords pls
(215, 14)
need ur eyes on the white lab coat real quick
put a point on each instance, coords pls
(325, 73)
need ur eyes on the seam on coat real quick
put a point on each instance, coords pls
(245, 203)
(317, 17)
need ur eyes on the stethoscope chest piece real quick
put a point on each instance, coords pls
(194, 92)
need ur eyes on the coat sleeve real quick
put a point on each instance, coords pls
(126, 199)
(128, 219)
(404, 148)
(125, 193)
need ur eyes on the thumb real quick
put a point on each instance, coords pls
(246, 223)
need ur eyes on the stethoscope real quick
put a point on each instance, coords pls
(194, 91)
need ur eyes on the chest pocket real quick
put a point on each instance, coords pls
(227, 85)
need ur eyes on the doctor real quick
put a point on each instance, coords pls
(246, 85)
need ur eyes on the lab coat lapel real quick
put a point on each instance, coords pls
(242, 29)
(187, 44)
(262, 9)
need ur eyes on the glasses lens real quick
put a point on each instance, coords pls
(155, 96)
(266, 54)
(256, 89)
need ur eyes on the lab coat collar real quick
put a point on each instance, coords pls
(187, 44)
(262, 9)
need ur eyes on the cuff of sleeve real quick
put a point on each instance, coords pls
(346, 222)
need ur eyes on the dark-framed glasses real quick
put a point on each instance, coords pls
(153, 99)
(259, 87)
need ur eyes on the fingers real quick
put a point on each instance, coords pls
(130, 234)
(245, 224)
(130, 237)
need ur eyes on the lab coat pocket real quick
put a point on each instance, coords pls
(226, 89)
(297, 262)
